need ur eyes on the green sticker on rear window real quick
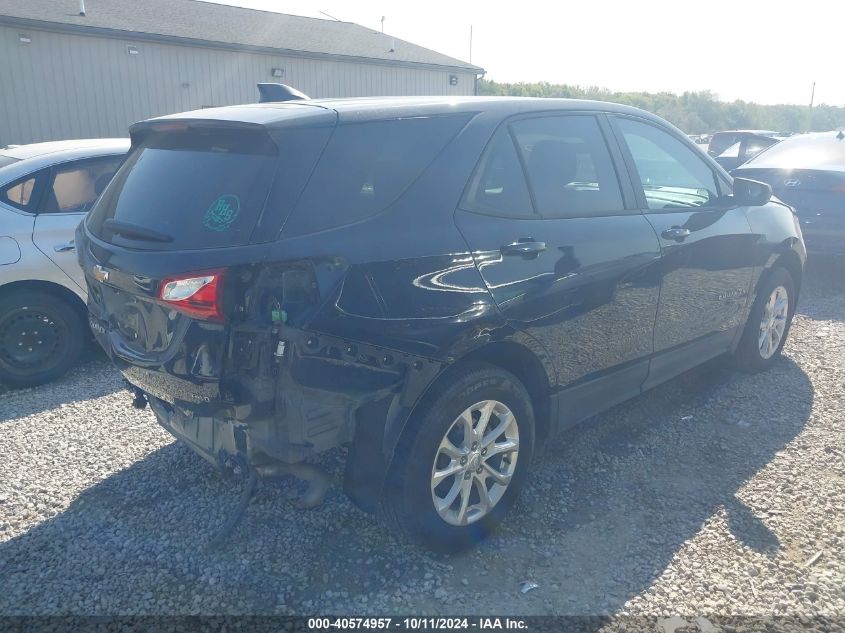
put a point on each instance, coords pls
(222, 213)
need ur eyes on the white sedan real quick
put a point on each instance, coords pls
(45, 191)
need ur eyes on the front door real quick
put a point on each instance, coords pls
(563, 255)
(707, 246)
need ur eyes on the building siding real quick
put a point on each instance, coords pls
(63, 85)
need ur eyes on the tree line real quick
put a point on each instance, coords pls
(693, 112)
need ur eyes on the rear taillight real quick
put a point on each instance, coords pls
(199, 295)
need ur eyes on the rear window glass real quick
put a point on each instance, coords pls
(367, 166)
(188, 190)
(811, 151)
(7, 160)
(720, 142)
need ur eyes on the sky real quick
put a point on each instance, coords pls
(762, 51)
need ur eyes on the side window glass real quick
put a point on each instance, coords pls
(672, 175)
(569, 166)
(498, 187)
(367, 166)
(77, 186)
(19, 194)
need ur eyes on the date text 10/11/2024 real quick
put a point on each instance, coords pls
(416, 624)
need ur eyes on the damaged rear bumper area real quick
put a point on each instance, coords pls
(287, 394)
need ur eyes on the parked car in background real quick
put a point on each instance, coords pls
(699, 139)
(438, 284)
(45, 190)
(807, 172)
(721, 141)
(743, 150)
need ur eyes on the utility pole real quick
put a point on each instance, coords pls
(470, 43)
(812, 98)
(382, 24)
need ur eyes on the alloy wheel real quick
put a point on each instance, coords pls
(773, 323)
(475, 462)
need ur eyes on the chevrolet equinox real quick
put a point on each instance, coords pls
(437, 284)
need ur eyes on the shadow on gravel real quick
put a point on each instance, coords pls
(93, 377)
(609, 505)
(641, 480)
(823, 288)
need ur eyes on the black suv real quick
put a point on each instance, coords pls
(437, 284)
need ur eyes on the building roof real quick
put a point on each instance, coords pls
(208, 23)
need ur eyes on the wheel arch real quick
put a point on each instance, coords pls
(786, 257)
(51, 288)
(530, 367)
(527, 366)
(374, 444)
(791, 261)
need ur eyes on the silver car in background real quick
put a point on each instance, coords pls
(45, 190)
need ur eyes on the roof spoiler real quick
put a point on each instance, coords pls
(268, 93)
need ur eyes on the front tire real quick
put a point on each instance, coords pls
(41, 337)
(463, 461)
(768, 322)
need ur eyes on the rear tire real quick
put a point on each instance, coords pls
(768, 322)
(450, 512)
(41, 337)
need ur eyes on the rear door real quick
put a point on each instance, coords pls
(565, 254)
(707, 246)
(70, 192)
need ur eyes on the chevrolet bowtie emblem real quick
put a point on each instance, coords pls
(100, 273)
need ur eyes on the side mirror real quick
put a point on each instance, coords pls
(751, 193)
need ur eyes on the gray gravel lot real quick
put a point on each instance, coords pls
(716, 493)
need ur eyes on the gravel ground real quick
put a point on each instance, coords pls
(717, 493)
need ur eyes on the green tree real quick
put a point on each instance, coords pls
(693, 112)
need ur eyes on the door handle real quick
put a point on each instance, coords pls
(676, 233)
(524, 246)
(65, 248)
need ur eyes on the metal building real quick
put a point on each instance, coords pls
(67, 75)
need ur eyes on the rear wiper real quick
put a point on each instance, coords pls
(134, 231)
